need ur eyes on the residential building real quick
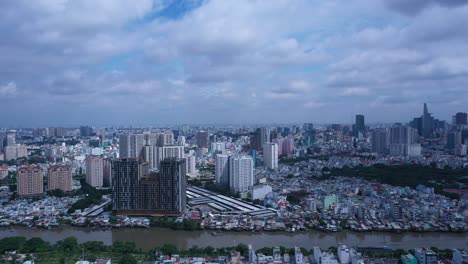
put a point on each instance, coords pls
(16, 151)
(241, 173)
(59, 177)
(95, 171)
(222, 170)
(173, 185)
(126, 174)
(380, 141)
(270, 155)
(30, 181)
(202, 139)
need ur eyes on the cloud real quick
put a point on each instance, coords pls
(8, 89)
(205, 60)
(413, 7)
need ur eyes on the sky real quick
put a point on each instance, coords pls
(148, 62)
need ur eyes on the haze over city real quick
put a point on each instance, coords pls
(151, 62)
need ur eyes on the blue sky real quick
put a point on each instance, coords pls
(149, 62)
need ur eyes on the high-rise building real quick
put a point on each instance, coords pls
(59, 177)
(359, 127)
(202, 139)
(174, 151)
(241, 173)
(95, 171)
(191, 164)
(149, 156)
(270, 155)
(126, 174)
(460, 119)
(124, 146)
(163, 193)
(173, 185)
(380, 141)
(30, 181)
(131, 146)
(107, 174)
(403, 141)
(86, 131)
(165, 138)
(15, 151)
(256, 141)
(10, 138)
(222, 170)
(265, 136)
(426, 124)
(218, 147)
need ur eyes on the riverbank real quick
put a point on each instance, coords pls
(150, 237)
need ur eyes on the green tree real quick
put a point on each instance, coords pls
(69, 244)
(35, 244)
(243, 249)
(169, 249)
(127, 259)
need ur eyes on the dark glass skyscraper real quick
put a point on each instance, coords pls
(126, 174)
(173, 185)
(359, 126)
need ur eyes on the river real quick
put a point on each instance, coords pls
(151, 237)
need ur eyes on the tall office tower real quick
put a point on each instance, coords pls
(86, 131)
(126, 174)
(403, 141)
(173, 185)
(218, 147)
(165, 152)
(454, 138)
(10, 139)
(265, 136)
(256, 141)
(241, 173)
(202, 139)
(95, 171)
(222, 170)
(107, 173)
(30, 181)
(359, 127)
(191, 164)
(380, 141)
(270, 155)
(16, 151)
(124, 146)
(427, 122)
(460, 119)
(59, 177)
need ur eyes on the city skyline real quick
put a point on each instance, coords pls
(117, 62)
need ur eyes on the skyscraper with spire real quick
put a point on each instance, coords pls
(426, 124)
